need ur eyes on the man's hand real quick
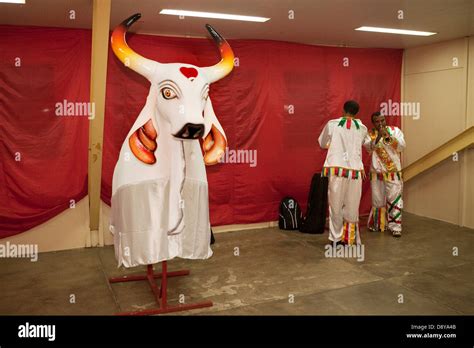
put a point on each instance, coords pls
(381, 133)
(379, 136)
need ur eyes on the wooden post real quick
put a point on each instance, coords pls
(100, 46)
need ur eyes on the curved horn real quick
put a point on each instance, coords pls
(225, 66)
(127, 56)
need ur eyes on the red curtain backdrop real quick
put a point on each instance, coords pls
(276, 102)
(43, 157)
(254, 105)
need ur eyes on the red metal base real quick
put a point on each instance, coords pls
(161, 292)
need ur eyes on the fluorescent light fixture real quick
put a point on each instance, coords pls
(12, 1)
(396, 31)
(213, 15)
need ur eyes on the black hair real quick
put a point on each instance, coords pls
(375, 114)
(351, 107)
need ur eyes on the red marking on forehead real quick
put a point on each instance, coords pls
(189, 72)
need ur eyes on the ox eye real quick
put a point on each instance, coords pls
(168, 93)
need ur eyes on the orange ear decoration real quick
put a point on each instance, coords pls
(143, 143)
(214, 146)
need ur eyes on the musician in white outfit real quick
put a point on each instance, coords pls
(384, 143)
(343, 137)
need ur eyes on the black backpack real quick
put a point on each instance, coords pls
(315, 219)
(290, 214)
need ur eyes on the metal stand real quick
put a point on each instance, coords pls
(161, 292)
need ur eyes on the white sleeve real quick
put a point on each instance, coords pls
(398, 135)
(325, 136)
(368, 143)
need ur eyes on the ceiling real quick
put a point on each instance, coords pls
(317, 22)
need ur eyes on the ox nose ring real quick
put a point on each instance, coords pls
(190, 131)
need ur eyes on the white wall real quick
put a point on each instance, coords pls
(68, 230)
(441, 78)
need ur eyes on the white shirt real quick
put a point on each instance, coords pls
(385, 157)
(343, 137)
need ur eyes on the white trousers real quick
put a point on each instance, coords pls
(344, 199)
(387, 205)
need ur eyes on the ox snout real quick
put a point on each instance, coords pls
(191, 131)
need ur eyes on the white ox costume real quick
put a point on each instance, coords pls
(343, 137)
(160, 207)
(386, 180)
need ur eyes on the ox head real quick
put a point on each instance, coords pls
(182, 98)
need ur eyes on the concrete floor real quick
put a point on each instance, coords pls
(276, 273)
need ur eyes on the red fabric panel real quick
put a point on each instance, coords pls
(52, 170)
(250, 104)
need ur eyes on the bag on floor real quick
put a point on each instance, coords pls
(290, 214)
(315, 219)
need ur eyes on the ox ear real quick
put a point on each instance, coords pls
(215, 141)
(143, 136)
(143, 143)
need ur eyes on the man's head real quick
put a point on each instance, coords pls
(351, 108)
(378, 120)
